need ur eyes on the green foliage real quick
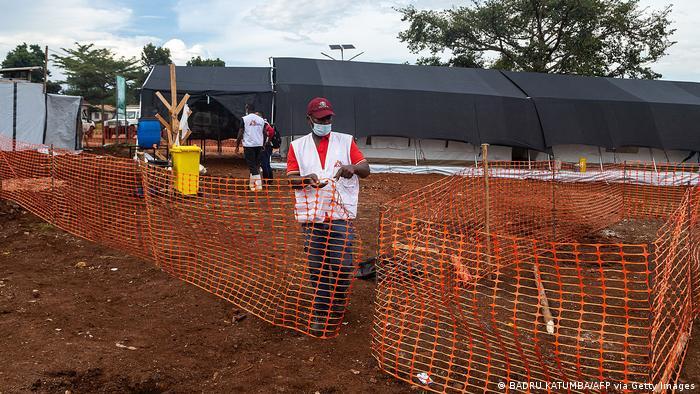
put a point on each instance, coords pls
(614, 38)
(198, 61)
(154, 56)
(29, 56)
(151, 55)
(91, 72)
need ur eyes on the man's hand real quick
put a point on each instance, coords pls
(346, 171)
(313, 181)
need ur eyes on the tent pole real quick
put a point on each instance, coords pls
(653, 160)
(415, 152)
(272, 87)
(529, 164)
(600, 158)
(46, 65)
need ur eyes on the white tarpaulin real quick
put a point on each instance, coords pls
(31, 118)
(31, 110)
(62, 121)
(6, 108)
(633, 176)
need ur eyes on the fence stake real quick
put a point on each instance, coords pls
(487, 200)
(544, 301)
(553, 166)
(52, 170)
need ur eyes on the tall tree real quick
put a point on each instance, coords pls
(613, 38)
(152, 55)
(29, 56)
(91, 72)
(198, 61)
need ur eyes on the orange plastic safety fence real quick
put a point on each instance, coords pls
(485, 285)
(282, 253)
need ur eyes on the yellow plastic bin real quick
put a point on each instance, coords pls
(582, 164)
(186, 168)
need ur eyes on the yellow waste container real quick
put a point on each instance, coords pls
(186, 168)
(582, 164)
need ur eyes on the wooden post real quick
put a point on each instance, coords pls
(544, 302)
(173, 102)
(52, 170)
(102, 119)
(554, 201)
(172, 127)
(487, 200)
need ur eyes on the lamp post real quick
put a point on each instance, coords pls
(341, 47)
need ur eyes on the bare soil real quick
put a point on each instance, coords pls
(80, 317)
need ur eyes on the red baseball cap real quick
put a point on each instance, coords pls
(319, 108)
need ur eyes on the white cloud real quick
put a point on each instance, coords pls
(44, 23)
(180, 53)
(249, 33)
(683, 59)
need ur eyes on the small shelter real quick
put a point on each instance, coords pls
(29, 115)
(217, 96)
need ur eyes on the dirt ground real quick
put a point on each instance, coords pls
(77, 317)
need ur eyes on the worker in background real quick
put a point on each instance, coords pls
(251, 133)
(269, 133)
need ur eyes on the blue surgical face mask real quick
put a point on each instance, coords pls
(322, 130)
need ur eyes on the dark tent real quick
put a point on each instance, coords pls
(469, 105)
(614, 113)
(217, 96)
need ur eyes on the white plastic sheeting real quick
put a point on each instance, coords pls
(397, 148)
(62, 121)
(640, 177)
(594, 154)
(31, 112)
(394, 151)
(30, 117)
(6, 108)
(658, 178)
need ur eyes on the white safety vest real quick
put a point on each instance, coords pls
(338, 199)
(253, 131)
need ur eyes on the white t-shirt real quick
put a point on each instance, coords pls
(253, 126)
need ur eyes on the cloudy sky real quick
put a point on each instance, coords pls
(246, 33)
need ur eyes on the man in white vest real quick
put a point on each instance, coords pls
(325, 166)
(251, 133)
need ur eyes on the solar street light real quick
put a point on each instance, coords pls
(340, 47)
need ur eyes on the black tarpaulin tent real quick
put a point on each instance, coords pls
(376, 99)
(217, 96)
(614, 113)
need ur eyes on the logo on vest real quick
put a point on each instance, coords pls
(338, 163)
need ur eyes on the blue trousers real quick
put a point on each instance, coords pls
(265, 162)
(329, 248)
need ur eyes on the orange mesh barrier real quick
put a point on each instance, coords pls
(223, 147)
(485, 283)
(253, 248)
